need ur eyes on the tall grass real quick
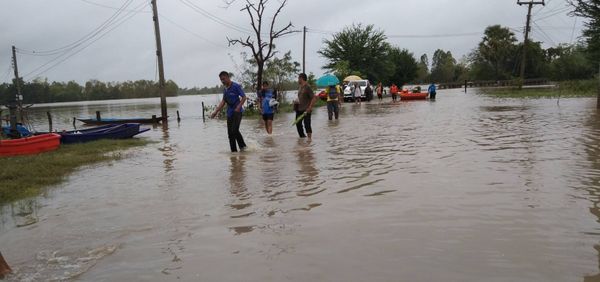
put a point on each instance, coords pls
(565, 89)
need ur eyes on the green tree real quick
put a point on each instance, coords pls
(590, 9)
(536, 61)
(570, 62)
(404, 66)
(442, 66)
(423, 69)
(495, 53)
(278, 71)
(282, 70)
(363, 48)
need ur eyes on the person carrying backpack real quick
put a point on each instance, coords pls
(333, 101)
(266, 105)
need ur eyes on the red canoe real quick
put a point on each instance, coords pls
(30, 145)
(412, 96)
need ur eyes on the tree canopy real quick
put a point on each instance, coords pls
(357, 49)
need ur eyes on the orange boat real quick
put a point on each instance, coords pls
(30, 145)
(405, 95)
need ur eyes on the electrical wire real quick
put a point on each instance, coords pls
(326, 32)
(108, 7)
(5, 76)
(191, 32)
(573, 30)
(214, 18)
(66, 56)
(82, 40)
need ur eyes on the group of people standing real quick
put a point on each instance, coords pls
(234, 97)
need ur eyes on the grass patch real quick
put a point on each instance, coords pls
(564, 89)
(26, 176)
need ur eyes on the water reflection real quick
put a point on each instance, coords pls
(307, 172)
(237, 188)
(592, 181)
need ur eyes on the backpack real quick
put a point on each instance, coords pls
(333, 93)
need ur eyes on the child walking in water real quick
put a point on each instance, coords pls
(266, 105)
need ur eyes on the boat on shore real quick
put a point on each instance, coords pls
(30, 145)
(96, 121)
(110, 131)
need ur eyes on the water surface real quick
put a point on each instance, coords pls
(465, 188)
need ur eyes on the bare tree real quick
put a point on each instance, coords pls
(262, 50)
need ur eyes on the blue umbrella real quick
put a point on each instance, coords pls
(326, 80)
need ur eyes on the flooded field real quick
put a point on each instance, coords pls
(465, 188)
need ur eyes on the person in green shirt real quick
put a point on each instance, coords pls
(303, 106)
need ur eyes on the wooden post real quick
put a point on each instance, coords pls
(4, 268)
(178, 118)
(466, 86)
(204, 119)
(154, 120)
(98, 117)
(74, 127)
(49, 121)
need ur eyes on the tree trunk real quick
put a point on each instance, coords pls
(259, 75)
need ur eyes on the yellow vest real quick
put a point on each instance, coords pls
(338, 89)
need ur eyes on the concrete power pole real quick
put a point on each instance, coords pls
(161, 70)
(304, 52)
(527, 29)
(15, 105)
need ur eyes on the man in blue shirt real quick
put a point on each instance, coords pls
(234, 97)
(431, 91)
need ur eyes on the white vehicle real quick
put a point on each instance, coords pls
(348, 96)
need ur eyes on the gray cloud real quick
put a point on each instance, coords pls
(195, 47)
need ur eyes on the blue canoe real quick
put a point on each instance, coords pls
(95, 121)
(110, 131)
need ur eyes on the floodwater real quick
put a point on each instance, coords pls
(465, 188)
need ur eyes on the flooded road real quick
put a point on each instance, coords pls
(465, 188)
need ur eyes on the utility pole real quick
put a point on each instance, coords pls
(14, 106)
(527, 29)
(16, 68)
(161, 70)
(304, 52)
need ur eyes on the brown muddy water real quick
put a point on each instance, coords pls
(466, 188)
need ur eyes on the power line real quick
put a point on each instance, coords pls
(108, 7)
(573, 31)
(553, 14)
(191, 32)
(82, 40)
(540, 30)
(5, 76)
(214, 18)
(326, 32)
(66, 55)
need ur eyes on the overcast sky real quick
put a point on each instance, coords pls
(194, 33)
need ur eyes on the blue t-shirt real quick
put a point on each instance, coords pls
(232, 96)
(432, 88)
(267, 95)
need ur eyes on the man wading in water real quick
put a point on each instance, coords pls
(303, 106)
(231, 96)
